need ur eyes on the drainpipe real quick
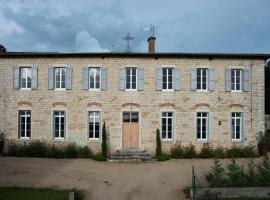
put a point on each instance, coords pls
(251, 100)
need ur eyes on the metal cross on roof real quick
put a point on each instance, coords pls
(128, 38)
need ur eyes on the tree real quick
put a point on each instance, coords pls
(158, 147)
(235, 175)
(251, 175)
(264, 172)
(2, 49)
(104, 141)
(215, 178)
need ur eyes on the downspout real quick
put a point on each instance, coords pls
(251, 99)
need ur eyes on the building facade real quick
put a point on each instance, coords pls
(191, 98)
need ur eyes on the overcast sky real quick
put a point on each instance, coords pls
(228, 26)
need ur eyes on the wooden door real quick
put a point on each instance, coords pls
(130, 130)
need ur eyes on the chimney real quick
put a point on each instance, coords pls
(151, 44)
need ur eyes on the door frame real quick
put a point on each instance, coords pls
(121, 123)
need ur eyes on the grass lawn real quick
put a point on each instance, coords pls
(22, 193)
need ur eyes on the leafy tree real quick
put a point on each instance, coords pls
(264, 172)
(234, 174)
(2, 49)
(158, 147)
(104, 141)
(215, 177)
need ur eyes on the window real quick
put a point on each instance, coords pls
(60, 78)
(24, 124)
(236, 126)
(94, 78)
(94, 125)
(167, 125)
(236, 79)
(25, 79)
(59, 124)
(202, 126)
(131, 78)
(202, 74)
(167, 78)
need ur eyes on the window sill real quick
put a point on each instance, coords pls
(236, 140)
(95, 90)
(169, 90)
(94, 139)
(24, 138)
(166, 140)
(202, 140)
(60, 89)
(131, 90)
(59, 139)
(236, 91)
(25, 89)
(202, 90)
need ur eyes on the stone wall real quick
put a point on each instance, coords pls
(149, 102)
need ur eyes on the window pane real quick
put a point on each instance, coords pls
(96, 130)
(91, 130)
(126, 117)
(134, 117)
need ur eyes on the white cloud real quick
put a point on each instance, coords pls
(85, 42)
(9, 27)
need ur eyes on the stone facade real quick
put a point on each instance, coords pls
(149, 102)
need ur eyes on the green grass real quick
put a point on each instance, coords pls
(22, 193)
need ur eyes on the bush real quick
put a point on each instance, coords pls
(54, 152)
(235, 175)
(251, 175)
(163, 157)
(207, 151)
(36, 149)
(104, 142)
(99, 157)
(2, 142)
(71, 151)
(177, 151)
(84, 152)
(190, 151)
(215, 177)
(158, 144)
(264, 172)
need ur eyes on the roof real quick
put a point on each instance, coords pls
(136, 54)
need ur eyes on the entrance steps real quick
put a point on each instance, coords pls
(130, 155)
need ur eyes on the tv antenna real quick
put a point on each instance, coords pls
(128, 38)
(151, 29)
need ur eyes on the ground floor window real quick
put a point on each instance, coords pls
(24, 124)
(59, 124)
(236, 125)
(202, 126)
(167, 125)
(94, 125)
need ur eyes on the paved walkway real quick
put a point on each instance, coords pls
(104, 180)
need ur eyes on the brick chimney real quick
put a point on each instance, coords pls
(151, 44)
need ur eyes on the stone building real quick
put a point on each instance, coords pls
(191, 97)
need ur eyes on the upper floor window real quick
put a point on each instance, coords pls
(60, 78)
(94, 125)
(167, 125)
(59, 124)
(202, 78)
(94, 77)
(167, 78)
(236, 126)
(202, 126)
(24, 124)
(236, 75)
(25, 77)
(131, 78)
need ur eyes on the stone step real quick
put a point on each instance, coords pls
(132, 155)
(144, 157)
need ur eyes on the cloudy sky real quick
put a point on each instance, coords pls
(94, 25)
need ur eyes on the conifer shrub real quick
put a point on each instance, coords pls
(264, 172)
(104, 142)
(216, 177)
(99, 157)
(235, 176)
(158, 144)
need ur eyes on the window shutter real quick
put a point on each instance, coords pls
(103, 79)
(140, 79)
(177, 79)
(85, 78)
(228, 80)
(159, 79)
(245, 79)
(16, 77)
(34, 77)
(212, 80)
(69, 78)
(51, 78)
(122, 79)
(193, 79)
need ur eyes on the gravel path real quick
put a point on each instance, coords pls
(104, 180)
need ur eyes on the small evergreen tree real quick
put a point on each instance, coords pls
(215, 178)
(251, 176)
(104, 141)
(234, 174)
(158, 147)
(264, 172)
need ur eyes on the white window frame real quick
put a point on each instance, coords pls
(28, 72)
(60, 81)
(94, 120)
(201, 125)
(25, 122)
(233, 80)
(131, 74)
(201, 79)
(233, 129)
(59, 131)
(166, 131)
(95, 77)
(167, 79)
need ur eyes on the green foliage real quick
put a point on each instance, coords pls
(242, 152)
(99, 157)
(215, 177)
(104, 141)
(263, 138)
(158, 144)
(235, 175)
(85, 152)
(264, 172)
(190, 151)
(71, 151)
(163, 157)
(251, 175)
(207, 151)
(2, 141)
(177, 151)
(55, 152)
